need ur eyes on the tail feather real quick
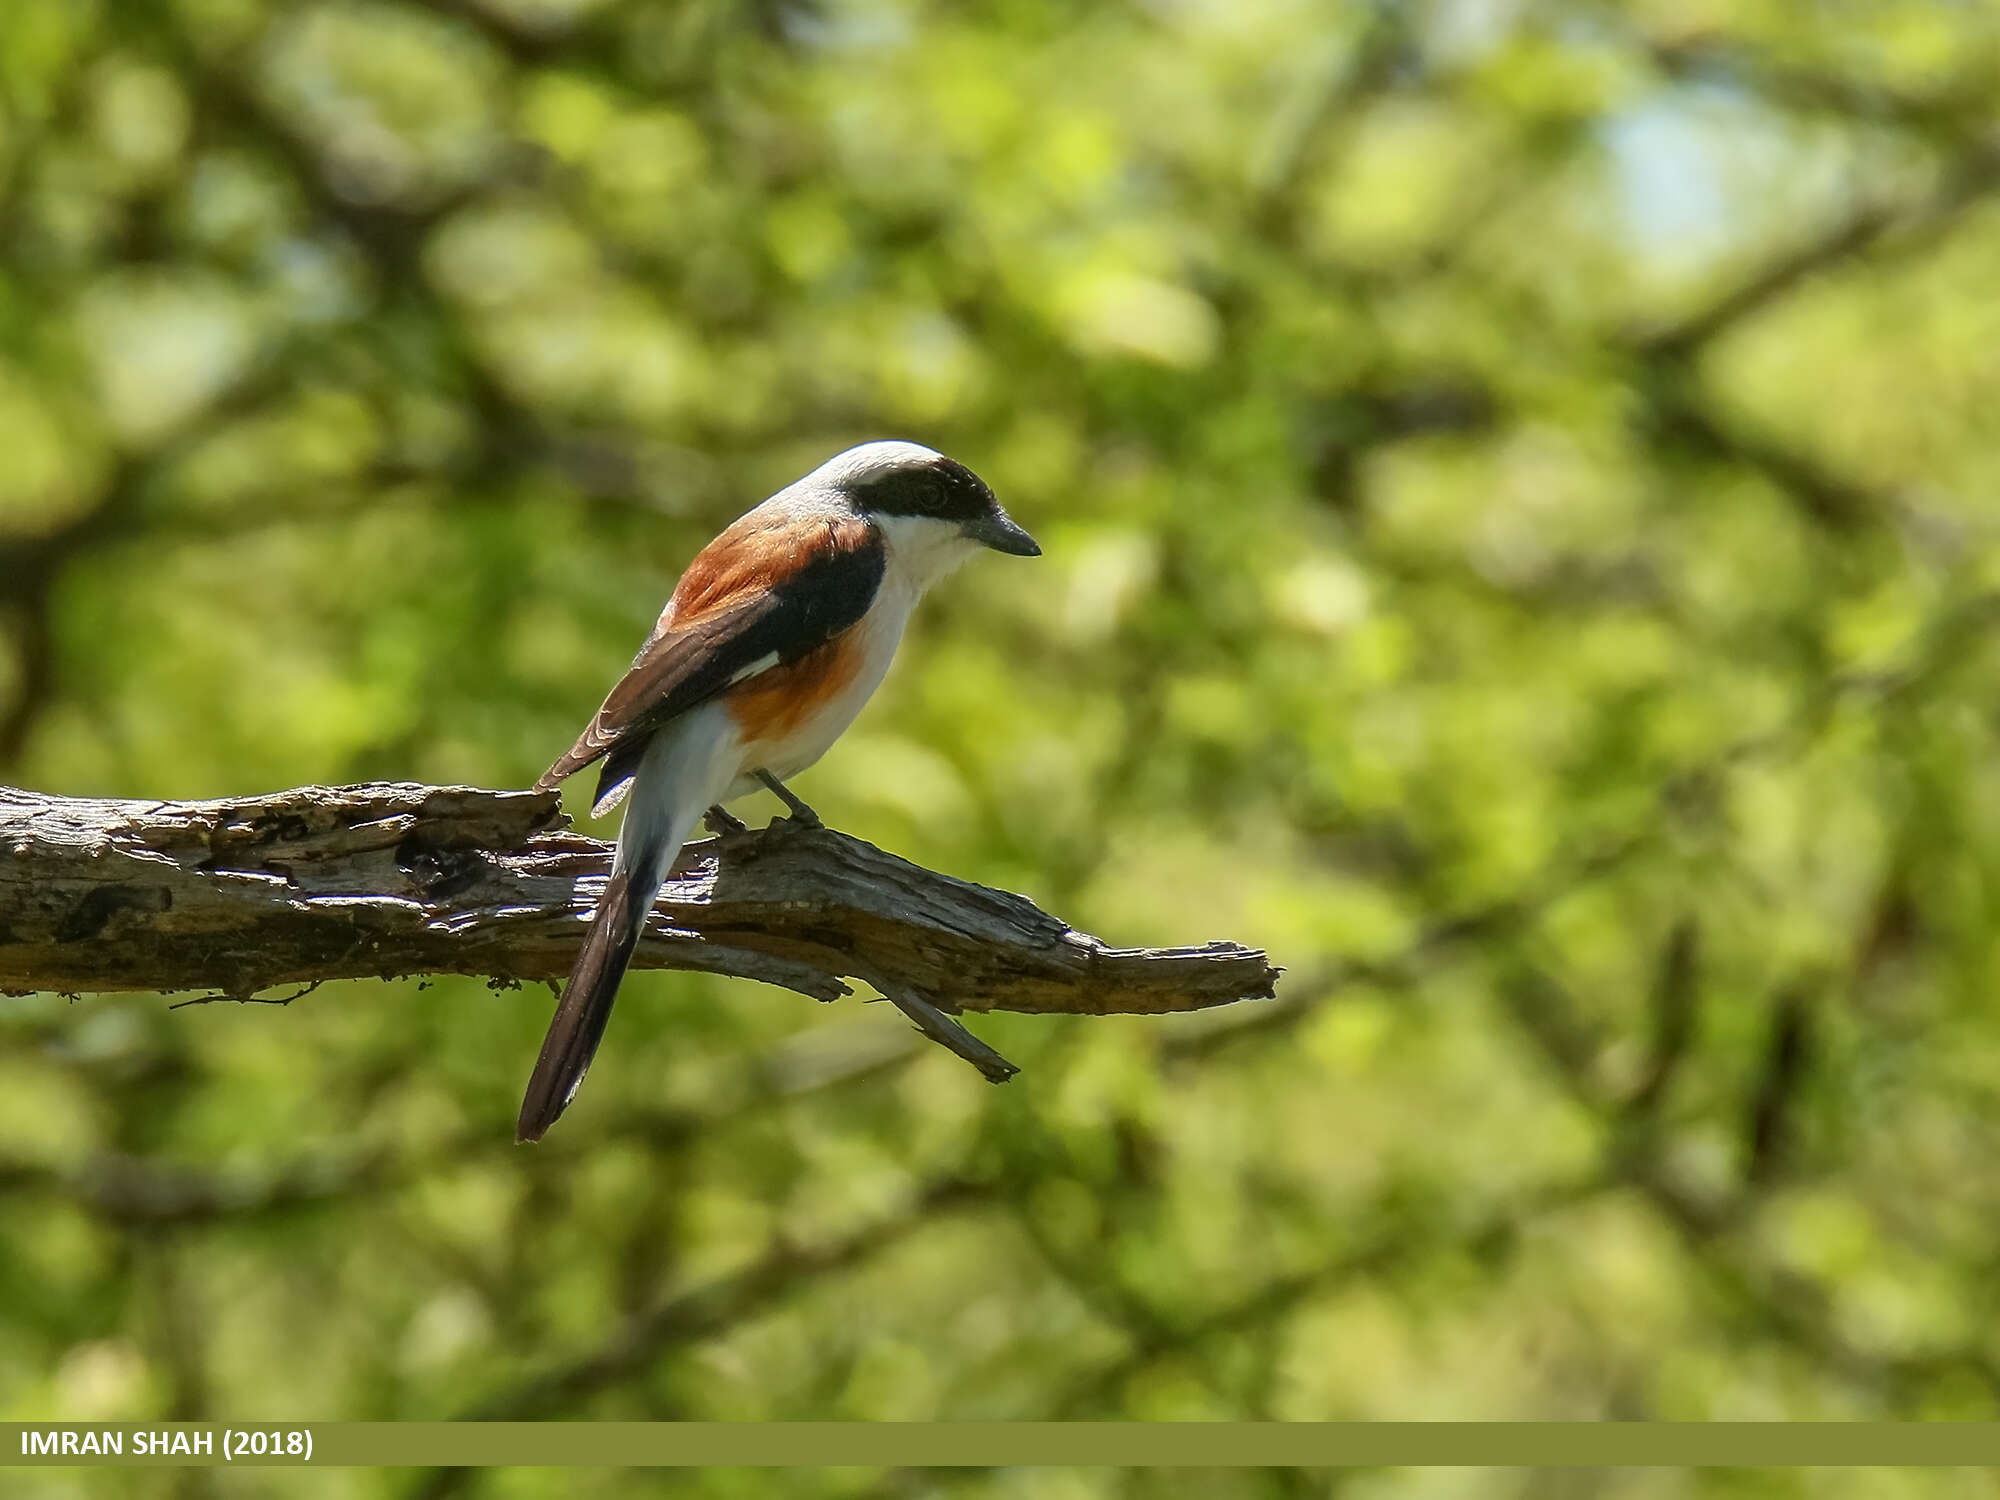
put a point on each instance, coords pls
(585, 1008)
(681, 771)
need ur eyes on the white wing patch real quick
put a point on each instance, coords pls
(763, 663)
(611, 798)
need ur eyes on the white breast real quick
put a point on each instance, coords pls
(878, 633)
(919, 552)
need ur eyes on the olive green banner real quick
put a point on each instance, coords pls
(947, 1444)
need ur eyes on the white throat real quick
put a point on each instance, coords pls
(921, 550)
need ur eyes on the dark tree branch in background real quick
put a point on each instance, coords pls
(1768, 1126)
(389, 879)
(1673, 1007)
(682, 1317)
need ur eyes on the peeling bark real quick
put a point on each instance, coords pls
(392, 878)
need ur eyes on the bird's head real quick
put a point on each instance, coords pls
(932, 511)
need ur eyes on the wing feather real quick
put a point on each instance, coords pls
(764, 593)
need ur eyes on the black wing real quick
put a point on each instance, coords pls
(769, 621)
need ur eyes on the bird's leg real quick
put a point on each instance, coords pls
(800, 812)
(720, 822)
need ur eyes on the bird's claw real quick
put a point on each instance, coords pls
(801, 814)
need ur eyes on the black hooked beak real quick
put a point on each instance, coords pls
(999, 531)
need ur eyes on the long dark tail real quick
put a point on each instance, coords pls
(586, 1002)
(683, 768)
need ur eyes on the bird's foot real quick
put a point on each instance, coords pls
(720, 822)
(801, 814)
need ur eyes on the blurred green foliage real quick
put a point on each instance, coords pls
(1517, 479)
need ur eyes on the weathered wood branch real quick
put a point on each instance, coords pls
(390, 878)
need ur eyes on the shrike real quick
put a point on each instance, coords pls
(777, 633)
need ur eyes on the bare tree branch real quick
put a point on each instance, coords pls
(392, 878)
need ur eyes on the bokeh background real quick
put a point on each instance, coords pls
(1517, 479)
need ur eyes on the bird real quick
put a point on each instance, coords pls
(775, 636)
